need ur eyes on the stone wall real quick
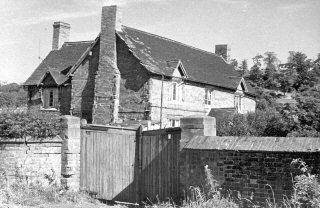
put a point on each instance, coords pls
(70, 152)
(83, 85)
(33, 158)
(134, 93)
(248, 105)
(65, 99)
(107, 79)
(191, 101)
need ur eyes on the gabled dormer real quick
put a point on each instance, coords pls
(177, 69)
(242, 86)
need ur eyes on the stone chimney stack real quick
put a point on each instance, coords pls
(61, 33)
(223, 50)
(107, 79)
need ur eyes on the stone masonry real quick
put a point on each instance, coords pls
(192, 102)
(32, 158)
(83, 86)
(70, 153)
(107, 80)
(57, 158)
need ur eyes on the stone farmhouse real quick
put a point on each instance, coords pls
(129, 75)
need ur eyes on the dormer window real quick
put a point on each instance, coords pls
(50, 97)
(242, 86)
(177, 68)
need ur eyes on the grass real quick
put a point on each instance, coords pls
(41, 192)
(46, 193)
(306, 194)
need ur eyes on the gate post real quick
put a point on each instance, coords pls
(70, 152)
(193, 126)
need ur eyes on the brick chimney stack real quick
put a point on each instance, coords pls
(61, 33)
(223, 50)
(107, 79)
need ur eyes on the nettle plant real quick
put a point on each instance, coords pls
(36, 124)
(306, 187)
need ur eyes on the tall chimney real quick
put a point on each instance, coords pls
(61, 33)
(107, 80)
(223, 50)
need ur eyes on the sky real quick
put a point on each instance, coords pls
(250, 27)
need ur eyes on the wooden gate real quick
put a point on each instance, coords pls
(159, 165)
(108, 158)
(125, 164)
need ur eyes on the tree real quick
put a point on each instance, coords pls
(244, 67)
(286, 79)
(12, 95)
(257, 60)
(234, 63)
(255, 75)
(271, 63)
(270, 60)
(307, 71)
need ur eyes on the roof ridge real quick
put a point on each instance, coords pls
(168, 39)
(81, 41)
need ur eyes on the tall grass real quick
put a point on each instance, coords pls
(306, 194)
(40, 191)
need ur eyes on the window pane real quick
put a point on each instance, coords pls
(51, 99)
(174, 91)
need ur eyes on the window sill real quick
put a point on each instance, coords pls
(176, 102)
(49, 109)
(207, 106)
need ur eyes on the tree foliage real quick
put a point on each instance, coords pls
(301, 117)
(12, 95)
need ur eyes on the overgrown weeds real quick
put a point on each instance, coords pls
(306, 193)
(23, 191)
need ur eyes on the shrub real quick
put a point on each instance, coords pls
(36, 124)
(259, 123)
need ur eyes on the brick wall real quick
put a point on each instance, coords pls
(246, 172)
(34, 158)
(245, 165)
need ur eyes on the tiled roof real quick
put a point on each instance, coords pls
(57, 76)
(275, 144)
(159, 55)
(59, 60)
(154, 52)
